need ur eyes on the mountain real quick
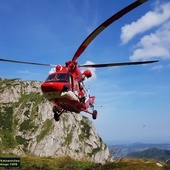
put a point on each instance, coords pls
(28, 128)
(154, 153)
(122, 150)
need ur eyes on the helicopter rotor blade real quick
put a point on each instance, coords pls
(105, 24)
(118, 64)
(25, 62)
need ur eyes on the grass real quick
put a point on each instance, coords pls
(47, 126)
(67, 163)
(131, 164)
(6, 126)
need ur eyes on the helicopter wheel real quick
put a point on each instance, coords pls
(94, 115)
(56, 117)
(56, 110)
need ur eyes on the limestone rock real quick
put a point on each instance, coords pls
(27, 126)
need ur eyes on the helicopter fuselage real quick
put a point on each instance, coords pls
(63, 86)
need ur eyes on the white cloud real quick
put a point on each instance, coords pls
(159, 67)
(23, 72)
(155, 45)
(29, 72)
(158, 16)
(52, 70)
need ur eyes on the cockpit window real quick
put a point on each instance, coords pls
(60, 77)
(51, 77)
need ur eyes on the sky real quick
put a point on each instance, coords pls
(133, 102)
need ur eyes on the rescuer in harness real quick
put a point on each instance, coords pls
(81, 94)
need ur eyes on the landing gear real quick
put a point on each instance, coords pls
(94, 114)
(56, 117)
(57, 112)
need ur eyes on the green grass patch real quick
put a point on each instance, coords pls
(6, 117)
(27, 125)
(85, 129)
(8, 139)
(94, 151)
(47, 126)
(68, 139)
(67, 163)
(6, 125)
(20, 140)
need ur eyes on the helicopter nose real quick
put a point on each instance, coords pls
(54, 87)
(51, 87)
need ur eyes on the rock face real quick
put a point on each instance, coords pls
(27, 126)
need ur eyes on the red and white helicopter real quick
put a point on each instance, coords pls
(65, 88)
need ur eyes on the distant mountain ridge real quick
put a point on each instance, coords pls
(153, 153)
(27, 126)
(123, 150)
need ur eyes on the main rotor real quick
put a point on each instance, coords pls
(72, 64)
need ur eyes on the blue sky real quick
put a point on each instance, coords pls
(135, 100)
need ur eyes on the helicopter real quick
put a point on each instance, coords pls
(65, 88)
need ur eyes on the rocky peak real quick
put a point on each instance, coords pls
(27, 126)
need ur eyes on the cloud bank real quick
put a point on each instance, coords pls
(156, 43)
(158, 16)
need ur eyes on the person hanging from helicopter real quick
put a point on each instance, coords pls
(81, 94)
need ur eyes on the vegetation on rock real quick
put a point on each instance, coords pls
(28, 127)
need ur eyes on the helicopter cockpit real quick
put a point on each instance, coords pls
(58, 77)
